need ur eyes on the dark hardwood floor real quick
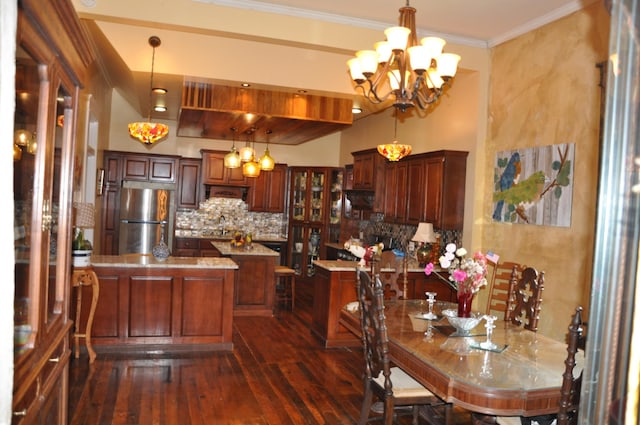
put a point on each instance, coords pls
(278, 373)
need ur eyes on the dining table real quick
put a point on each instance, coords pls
(519, 375)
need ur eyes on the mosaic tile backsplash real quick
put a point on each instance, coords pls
(218, 216)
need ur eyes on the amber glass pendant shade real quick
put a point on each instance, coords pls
(267, 163)
(232, 159)
(251, 169)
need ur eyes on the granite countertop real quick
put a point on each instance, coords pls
(194, 234)
(342, 265)
(257, 249)
(149, 261)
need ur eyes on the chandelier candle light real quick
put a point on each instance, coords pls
(388, 69)
(149, 132)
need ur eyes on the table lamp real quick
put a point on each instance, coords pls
(426, 236)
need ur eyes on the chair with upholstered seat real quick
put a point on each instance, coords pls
(499, 286)
(393, 386)
(523, 308)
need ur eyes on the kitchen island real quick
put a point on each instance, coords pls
(175, 304)
(254, 288)
(335, 286)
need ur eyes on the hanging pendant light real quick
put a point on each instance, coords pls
(251, 168)
(232, 159)
(394, 151)
(267, 163)
(149, 132)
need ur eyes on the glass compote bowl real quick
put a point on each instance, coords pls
(463, 325)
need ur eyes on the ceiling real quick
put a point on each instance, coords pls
(120, 34)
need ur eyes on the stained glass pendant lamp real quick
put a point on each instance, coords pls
(149, 132)
(394, 151)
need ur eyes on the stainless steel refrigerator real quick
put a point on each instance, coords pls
(144, 218)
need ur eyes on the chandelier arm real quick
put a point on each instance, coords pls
(376, 79)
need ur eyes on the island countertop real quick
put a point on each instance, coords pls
(149, 261)
(257, 249)
(342, 265)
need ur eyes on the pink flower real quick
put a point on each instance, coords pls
(459, 275)
(428, 269)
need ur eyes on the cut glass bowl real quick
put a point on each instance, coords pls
(463, 325)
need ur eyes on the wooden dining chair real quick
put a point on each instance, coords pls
(392, 385)
(499, 285)
(525, 298)
(392, 266)
(571, 384)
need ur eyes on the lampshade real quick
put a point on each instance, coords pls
(266, 162)
(149, 132)
(424, 233)
(394, 151)
(85, 215)
(232, 159)
(251, 169)
(246, 153)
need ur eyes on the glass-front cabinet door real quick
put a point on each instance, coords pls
(336, 205)
(316, 198)
(305, 248)
(42, 167)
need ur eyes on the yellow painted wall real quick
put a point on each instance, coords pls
(543, 91)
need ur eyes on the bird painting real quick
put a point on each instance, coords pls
(509, 177)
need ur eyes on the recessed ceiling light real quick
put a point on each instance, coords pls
(160, 108)
(356, 110)
(159, 90)
(301, 91)
(245, 85)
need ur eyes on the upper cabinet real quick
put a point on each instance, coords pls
(267, 192)
(188, 190)
(369, 175)
(216, 174)
(148, 168)
(428, 187)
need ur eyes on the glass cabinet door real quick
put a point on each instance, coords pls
(299, 196)
(318, 180)
(336, 206)
(42, 144)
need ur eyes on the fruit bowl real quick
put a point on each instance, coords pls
(463, 325)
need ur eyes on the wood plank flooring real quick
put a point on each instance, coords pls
(278, 373)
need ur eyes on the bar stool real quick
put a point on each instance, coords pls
(85, 276)
(285, 286)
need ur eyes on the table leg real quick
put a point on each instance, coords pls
(94, 302)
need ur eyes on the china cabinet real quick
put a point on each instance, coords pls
(313, 206)
(51, 58)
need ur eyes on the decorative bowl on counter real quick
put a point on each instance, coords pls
(463, 325)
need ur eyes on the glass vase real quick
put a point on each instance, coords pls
(161, 250)
(465, 299)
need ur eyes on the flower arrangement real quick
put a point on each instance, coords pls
(466, 274)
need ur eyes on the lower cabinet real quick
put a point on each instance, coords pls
(143, 306)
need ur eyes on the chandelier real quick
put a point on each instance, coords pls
(415, 73)
(149, 132)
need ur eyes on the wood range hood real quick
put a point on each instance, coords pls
(210, 111)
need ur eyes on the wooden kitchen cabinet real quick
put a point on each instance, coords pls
(186, 247)
(427, 187)
(49, 73)
(368, 175)
(396, 192)
(267, 192)
(215, 173)
(189, 187)
(445, 179)
(158, 169)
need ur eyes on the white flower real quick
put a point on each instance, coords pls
(451, 248)
(461, 252)
(445, 262)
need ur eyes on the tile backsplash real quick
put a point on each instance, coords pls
(223, 215)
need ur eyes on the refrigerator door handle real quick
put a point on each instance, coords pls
(135, 221)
